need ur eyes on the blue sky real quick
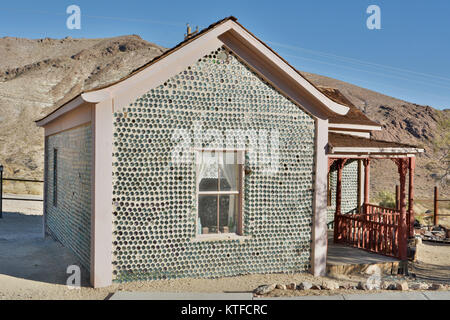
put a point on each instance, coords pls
(408, 58)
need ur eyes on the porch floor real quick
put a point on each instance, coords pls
(342, 259)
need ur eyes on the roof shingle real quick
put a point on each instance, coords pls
(353, 116)
(336, 140)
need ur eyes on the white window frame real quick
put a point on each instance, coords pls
(240, 183)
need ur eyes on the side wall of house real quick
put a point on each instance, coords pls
(349, 188)
(154, 198)
(68, 217)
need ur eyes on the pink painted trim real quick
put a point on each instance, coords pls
(353, 126)
(319, 231)
(73, 118)
(129, 89)
(264, 50)
(101, 195)
(363, 134)
(72, 104)
(273, 74)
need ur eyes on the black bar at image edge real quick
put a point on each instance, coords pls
(209, 309)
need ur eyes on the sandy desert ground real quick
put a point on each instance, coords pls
(35, 268)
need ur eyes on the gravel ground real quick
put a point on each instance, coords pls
(35, 268)
(433, 262)
(24, 288)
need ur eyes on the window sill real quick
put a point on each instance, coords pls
(219, 237)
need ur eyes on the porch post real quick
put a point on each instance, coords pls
(412, 165)
(403, 230)
(319, 227)
(366, 182)
(397, 197)
(340, 166)
(101, 194)
(330, 163)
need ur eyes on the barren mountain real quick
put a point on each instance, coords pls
(401, 122)
(37, 75)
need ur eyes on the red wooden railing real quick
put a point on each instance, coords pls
(375, 230)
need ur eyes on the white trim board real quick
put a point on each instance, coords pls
(353, 126)
(374, 150)
(372, 156)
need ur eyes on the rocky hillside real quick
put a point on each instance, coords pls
(36, 75)
(401, 122)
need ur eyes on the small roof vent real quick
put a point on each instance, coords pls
(189, 33)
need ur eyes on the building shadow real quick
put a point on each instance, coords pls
(26, 254)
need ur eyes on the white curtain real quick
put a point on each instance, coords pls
(203, 160)
(229, 168)
(227, 164)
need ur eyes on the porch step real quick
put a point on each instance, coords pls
(385, 268)
(347, 260)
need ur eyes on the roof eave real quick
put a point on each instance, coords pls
(354, 126)
(96, 96)
(358, 150)
(68, 106)
(293, 72)
(100, 94)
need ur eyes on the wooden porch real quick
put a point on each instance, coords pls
(374, 228)
(344, 259)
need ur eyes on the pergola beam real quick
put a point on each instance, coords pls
(371, 156)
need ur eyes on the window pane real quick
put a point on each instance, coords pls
(207, 214)
(228, 213)
(228, 171)
(207, 171)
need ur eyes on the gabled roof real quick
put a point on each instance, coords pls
(137, 70)
(346, 143)
(331, 107)
(166, 53)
